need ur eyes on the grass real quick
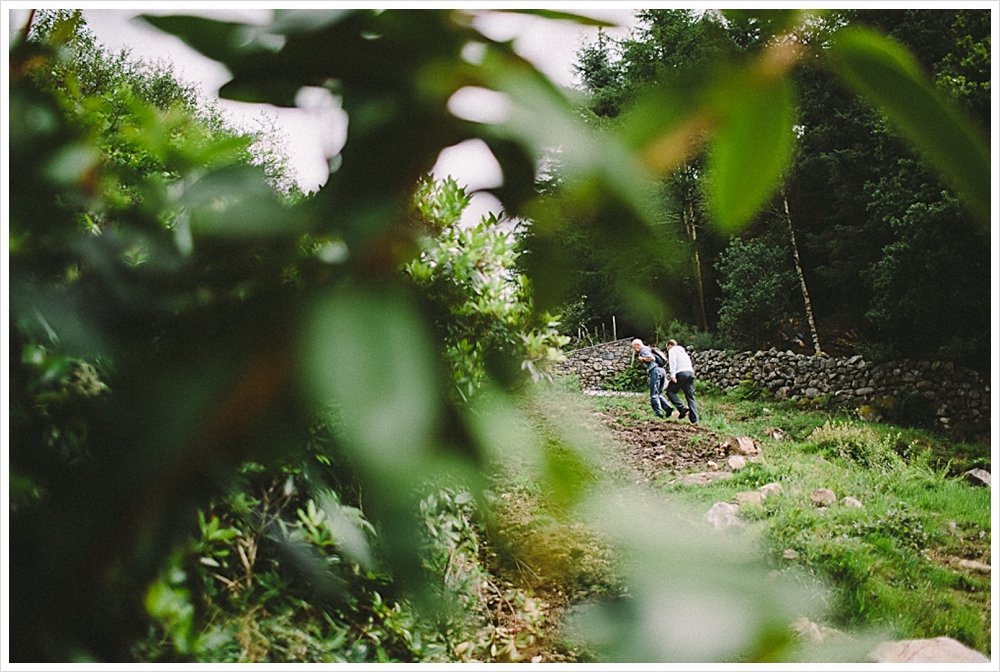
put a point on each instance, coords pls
(892, 564)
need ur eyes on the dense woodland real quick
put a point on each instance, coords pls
(250, 423)
(861, 227)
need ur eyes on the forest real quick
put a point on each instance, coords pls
(249, 423)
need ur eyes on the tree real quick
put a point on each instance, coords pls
(222, 321)
(757, 285)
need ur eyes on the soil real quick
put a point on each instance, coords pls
(658, 449)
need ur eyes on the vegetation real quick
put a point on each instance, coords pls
(250, 424)
(872, 224)
(895, 563)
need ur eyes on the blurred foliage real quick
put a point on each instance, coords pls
(213, 376)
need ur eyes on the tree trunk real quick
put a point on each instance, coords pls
(691, 228)
(802, 278)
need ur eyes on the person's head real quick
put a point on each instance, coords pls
(637, 344)
(671, 343)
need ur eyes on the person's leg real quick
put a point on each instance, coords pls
(672, 388)
(686, 382)
(655, 386)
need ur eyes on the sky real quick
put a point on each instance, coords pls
(317, 129)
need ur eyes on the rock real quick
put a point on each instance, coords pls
(751, 497)
(703, 478)
(790, 554)
(745, 446)
(712, 465)
(736, 462)
(770, 489)
(823, 497)
(723, 515)
(937, 650)
(978, 477)
(974, 565)
(807, 630)
(852, 503)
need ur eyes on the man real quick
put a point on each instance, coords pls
(657, 379)
(681, 377)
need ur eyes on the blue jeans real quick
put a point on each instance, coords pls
(685, 382)
(657, 381)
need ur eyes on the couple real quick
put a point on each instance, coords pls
(681, 377)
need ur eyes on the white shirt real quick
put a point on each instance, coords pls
(678, 360)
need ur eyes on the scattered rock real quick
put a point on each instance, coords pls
(723, 515)
(745, 446)
(823, 497)
(936, 650)
(770, 489)
(713, 466)
(790, 554)
(807, 630)
(974, 565)
(751, 497)
(736, 462)
(978, 477)
(703, 478)
(852, 503)
(777, 434)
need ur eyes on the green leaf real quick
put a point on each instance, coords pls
(886, 74)
(219, 40)
(751, 149)
(236, 202)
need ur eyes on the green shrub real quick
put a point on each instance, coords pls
(859, 444)
(632, 379)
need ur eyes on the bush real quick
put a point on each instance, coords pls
(632, 379)
(862, 445)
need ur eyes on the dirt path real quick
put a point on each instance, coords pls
(652, 448)
(643, 452)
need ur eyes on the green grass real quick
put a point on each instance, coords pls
(890, 565)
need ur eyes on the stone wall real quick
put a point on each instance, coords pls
(594, 365)
(952, 394)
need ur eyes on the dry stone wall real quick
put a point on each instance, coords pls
(594, 365)
(953, 394)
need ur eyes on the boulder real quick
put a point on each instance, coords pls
(978, 477)
(852, 503)
(936, 650)
(744, 446)
(770, 489)
(806, 630)
(736, 462)
(723, 515)
(703, 478)
(823, 497)
(974, 566)
(750, 497)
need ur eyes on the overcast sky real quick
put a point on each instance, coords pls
(318, 131)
